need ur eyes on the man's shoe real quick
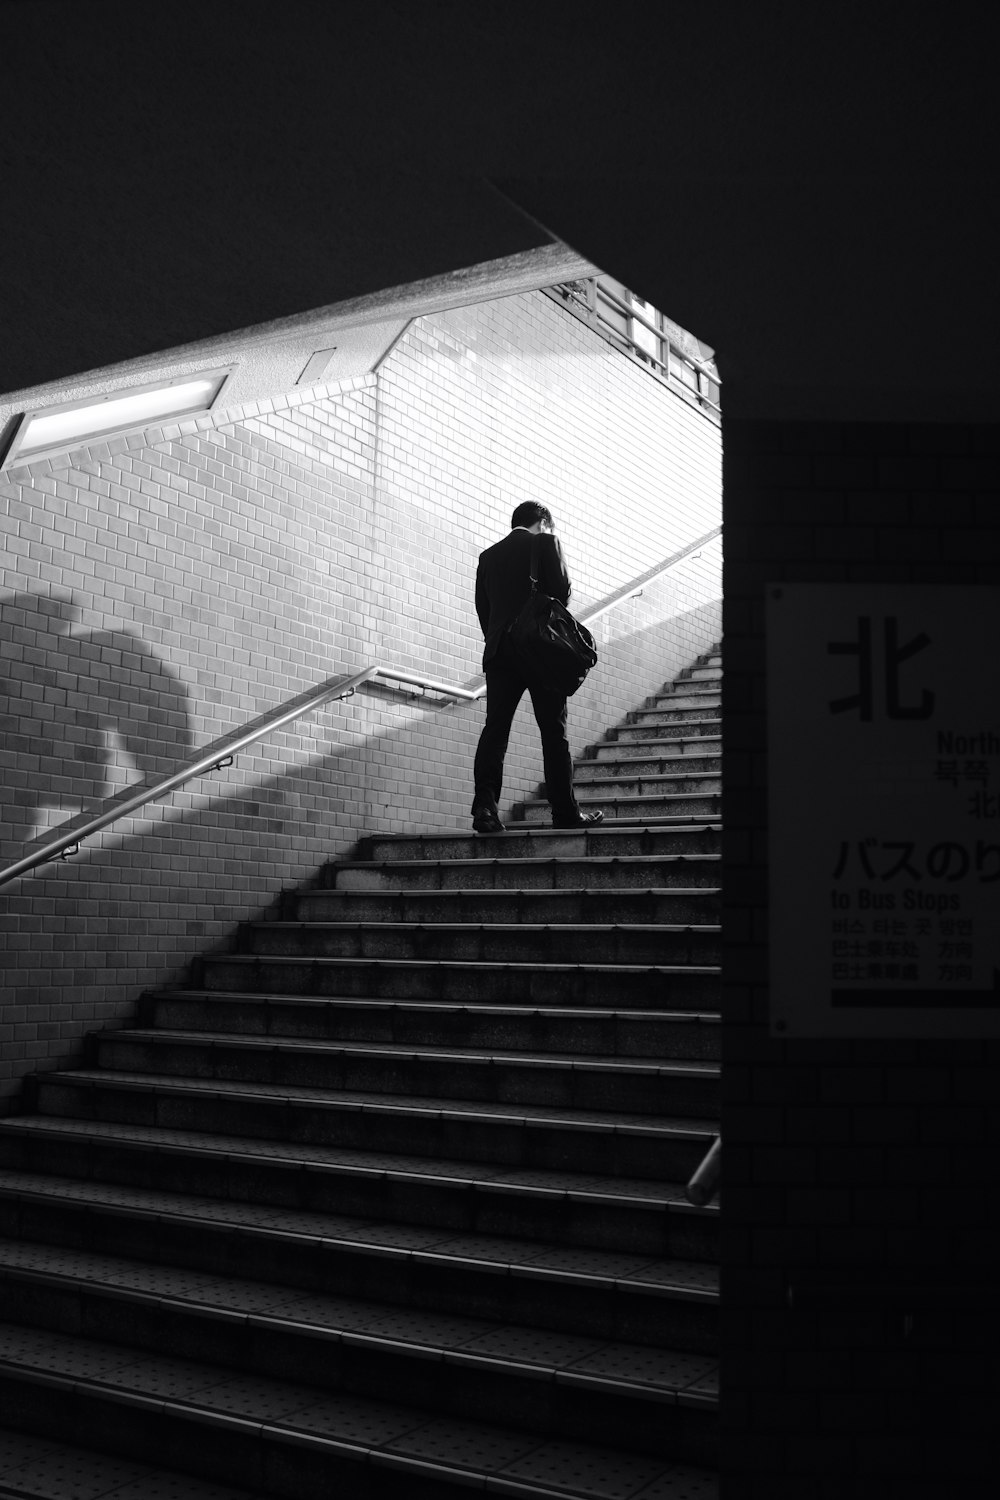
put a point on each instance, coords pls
(579, 820)
(485, 820)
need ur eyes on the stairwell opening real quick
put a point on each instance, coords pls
(393, 1168)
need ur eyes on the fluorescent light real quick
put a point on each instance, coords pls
(54, 429)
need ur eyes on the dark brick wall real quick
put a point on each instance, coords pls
(859, 1174)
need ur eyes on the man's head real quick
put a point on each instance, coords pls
(530, 514)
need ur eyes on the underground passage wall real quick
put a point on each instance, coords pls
(859, 1174)
(162, 589)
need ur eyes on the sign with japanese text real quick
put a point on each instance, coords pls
(883, 724)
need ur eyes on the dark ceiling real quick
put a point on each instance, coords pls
(812, 190)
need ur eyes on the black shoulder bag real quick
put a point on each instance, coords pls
(554, 649)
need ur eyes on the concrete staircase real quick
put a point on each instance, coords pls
(390, 1200)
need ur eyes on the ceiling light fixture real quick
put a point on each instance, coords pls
(57, 429)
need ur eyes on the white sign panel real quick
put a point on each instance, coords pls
(883, 723)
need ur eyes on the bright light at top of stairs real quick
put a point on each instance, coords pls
(56, 428)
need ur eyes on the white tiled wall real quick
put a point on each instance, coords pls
(159, 590)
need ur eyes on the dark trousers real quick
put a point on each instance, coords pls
(505, 686)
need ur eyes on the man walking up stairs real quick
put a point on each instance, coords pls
(390, 1200)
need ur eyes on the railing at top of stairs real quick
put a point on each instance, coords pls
(223, 751)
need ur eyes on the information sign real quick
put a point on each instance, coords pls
(883, 724)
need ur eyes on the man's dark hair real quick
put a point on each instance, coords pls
(528, 512)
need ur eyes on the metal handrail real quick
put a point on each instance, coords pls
(705, 370)
(634, 589)
(705, 366)
(224, 751)
(704, 1184)
(414, 679)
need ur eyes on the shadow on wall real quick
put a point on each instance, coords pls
(414, 777)
(73, 705)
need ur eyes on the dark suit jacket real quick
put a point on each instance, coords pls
(503, 581)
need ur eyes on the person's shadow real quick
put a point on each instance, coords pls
(76, 707)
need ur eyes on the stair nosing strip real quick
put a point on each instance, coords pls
(415, 1002)
(166, 1085)
(430, 893)
(471, 1478)
(610, 1386)
(405, 1050)
(122, 1396)
(624, 801)
(458, 963)
(375, 925)
(472, 1183)
(486, 1008)
(695, 823)
(523, 1270)
(553, 859)
(414, 1349)
(648, 776)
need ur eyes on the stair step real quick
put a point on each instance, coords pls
(470, 1366)
(683, 711)
(679, 1035)
(697, 747)
(290, 1190)
(681, 727)
(481, 942)
(302, 1443)
(682, 836)
(537, 1136)
(40, 1467)
(683, 987)
(691, 691)
(508, 904)
(409, 1158)
(624, 778)
(683, 699)
(640, 1087)
(616, 804)
(682, 768)
(604, 873)
(599, 1293)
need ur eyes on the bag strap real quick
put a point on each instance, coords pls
(533, 560)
